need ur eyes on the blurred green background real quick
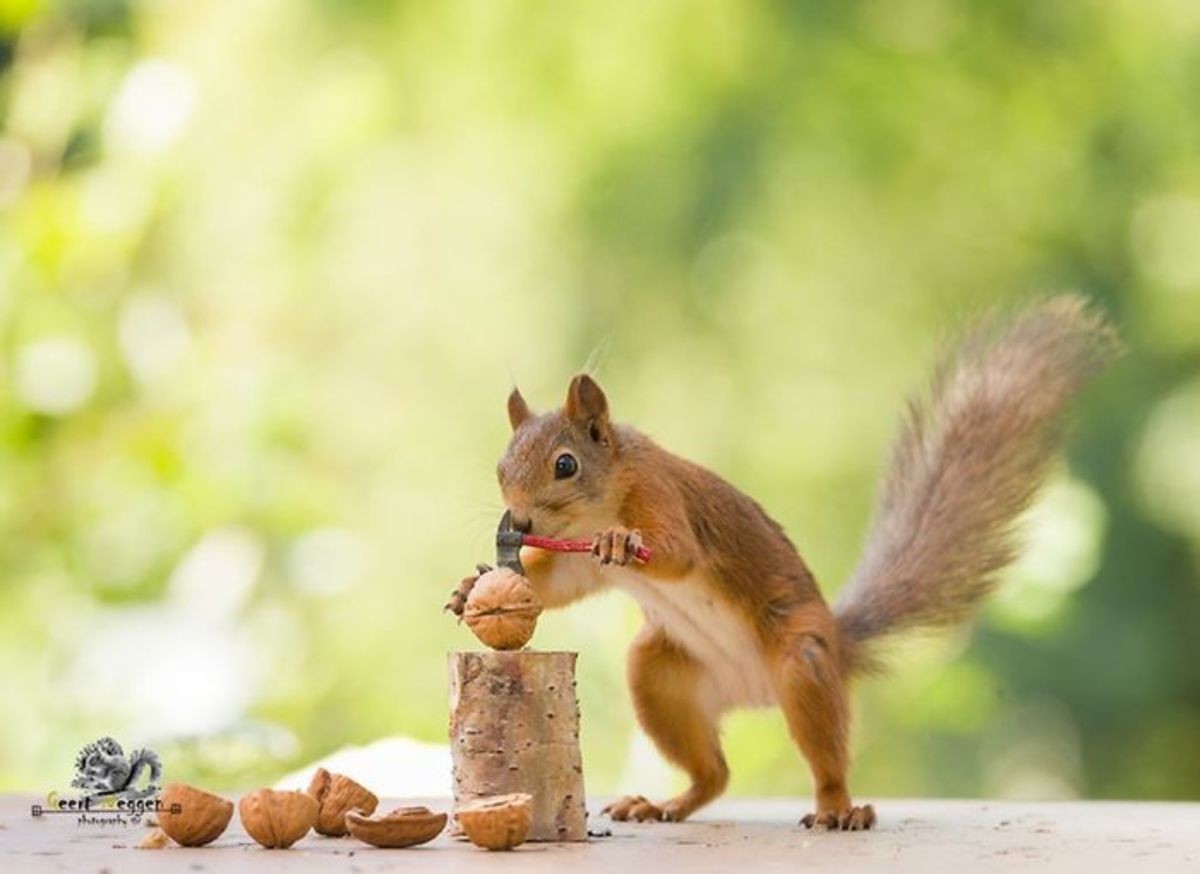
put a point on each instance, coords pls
(268, 269)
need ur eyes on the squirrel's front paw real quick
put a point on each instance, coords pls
(617, 545)
(458, 598)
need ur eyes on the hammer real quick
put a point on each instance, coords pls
(509, 542)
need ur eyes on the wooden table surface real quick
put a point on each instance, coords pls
(732, 835)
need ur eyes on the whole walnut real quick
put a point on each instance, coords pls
(276, 818)
(502, 609)
(500, 822)
(191, 816)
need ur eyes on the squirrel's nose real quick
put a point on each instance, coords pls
(521, 523)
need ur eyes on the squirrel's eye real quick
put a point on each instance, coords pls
(565, 466)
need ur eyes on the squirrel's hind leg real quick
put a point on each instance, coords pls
(667, 686)
(812, 693)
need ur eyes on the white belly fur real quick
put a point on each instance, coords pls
(711, 631)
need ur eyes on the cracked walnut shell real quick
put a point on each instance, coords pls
(154, 840)
(277, 819)
(403, 827)
(336, 795)
(192, 817)
(502, 609)
(497, 823)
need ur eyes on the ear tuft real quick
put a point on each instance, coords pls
(518, 410)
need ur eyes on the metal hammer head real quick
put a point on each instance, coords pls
(508, 544)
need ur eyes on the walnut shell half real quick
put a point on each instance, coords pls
(336, 795)
(277, 819)
(497, 823)
(201, 816)
(403, 827)
(502, 609)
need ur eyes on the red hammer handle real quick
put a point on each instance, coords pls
(642, 553)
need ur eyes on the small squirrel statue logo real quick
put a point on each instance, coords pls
(102, 769)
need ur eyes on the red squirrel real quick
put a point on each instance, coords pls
(733, 615)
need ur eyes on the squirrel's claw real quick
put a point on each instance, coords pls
(635, 807)
(455, 605)
(850, 819)
(617, 545)
(458, 598)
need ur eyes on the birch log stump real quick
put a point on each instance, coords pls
(514, 727)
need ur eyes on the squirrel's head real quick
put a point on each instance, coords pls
(556, 475)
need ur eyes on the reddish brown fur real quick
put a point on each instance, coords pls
(663, 679)
(963, 470)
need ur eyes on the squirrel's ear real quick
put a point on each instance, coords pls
(518, 410)
(587, 406)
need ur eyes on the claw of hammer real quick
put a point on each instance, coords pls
(508, 544)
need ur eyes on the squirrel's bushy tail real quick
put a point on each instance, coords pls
(968, 461)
